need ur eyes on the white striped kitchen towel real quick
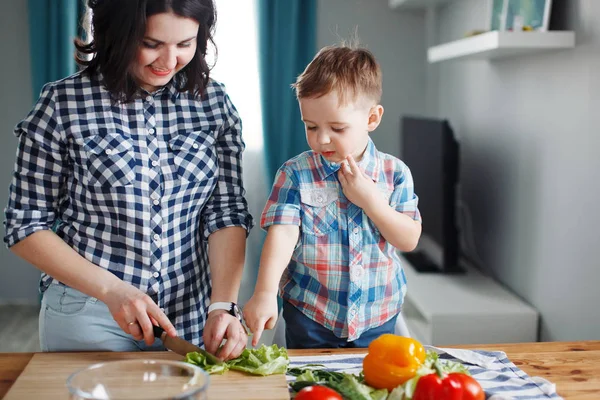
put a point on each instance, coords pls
(497, 375)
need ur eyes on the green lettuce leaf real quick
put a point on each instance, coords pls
(201, 361)
(266, 360)
(350, 386)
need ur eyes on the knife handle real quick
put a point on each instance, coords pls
(158, 331)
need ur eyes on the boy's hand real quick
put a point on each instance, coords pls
(358, 188)
(260, 313)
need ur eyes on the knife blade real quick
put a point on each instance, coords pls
(182, 346)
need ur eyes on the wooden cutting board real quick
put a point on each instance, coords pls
(47, 373)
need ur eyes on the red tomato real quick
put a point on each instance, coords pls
(317, 392)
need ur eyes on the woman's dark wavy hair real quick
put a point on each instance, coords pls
(118, 28)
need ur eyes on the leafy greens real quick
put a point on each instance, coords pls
(266, 360)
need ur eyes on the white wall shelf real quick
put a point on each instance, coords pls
(415, 4)
(497, 44)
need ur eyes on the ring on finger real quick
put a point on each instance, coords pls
(131, 323)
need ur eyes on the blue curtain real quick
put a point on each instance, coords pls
(287, 43)
(53, 24)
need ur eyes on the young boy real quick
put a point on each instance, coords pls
(336, 216)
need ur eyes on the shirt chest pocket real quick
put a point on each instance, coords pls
(194, 156)
(110, 160)
(320, 210)
(386, 193)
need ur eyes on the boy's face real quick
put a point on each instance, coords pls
(336, 131)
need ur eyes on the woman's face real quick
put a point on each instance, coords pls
(168, 45)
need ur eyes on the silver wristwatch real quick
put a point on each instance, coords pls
(228, 306)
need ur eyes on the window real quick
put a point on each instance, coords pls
(236, 38)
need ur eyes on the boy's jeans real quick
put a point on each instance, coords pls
(302, 332)
(73, 321)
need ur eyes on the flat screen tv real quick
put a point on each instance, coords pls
(431, 152)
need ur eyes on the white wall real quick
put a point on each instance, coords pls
(398, 42)
(530, 135)
(18, 279)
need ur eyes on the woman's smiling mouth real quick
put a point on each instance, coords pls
(160, 72)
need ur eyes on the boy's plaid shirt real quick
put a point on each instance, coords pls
(134, 188)
(343, 274)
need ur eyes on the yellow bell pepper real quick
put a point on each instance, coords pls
(392, 360)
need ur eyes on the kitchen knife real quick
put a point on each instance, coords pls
(181, 346)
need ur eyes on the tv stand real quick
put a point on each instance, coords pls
(469, 308)
(422, 263)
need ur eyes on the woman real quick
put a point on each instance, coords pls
(128, 185)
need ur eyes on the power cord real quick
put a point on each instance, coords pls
(468, 247)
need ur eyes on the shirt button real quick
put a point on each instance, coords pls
(155, 163)
(357, 272)
(352, 313)
(148, 98)
(156, 237)
(156, 202)
(156, 274)
(356, 231)
(195, 145)
(109, 151)
(151, 131)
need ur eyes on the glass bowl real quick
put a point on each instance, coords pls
(139, 379)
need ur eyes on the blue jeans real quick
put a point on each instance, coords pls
(73, 321)
(302, 332)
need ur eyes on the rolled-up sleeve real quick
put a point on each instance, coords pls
(283, 205)
(39, 173)
(403, 198)
(227, 205)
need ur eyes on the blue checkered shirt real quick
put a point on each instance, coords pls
(134, 188)
(343, 273)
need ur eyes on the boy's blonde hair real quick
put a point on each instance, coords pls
(349, 70)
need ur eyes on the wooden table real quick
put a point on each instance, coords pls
(573, 366)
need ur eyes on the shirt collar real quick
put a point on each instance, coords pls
(170, 90)
(369, 163)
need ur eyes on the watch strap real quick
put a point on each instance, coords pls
(221, 305)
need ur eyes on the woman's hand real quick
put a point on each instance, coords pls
(136, 313)
(222, 325)
(260, 313)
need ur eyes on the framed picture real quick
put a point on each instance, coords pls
(517, 15)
